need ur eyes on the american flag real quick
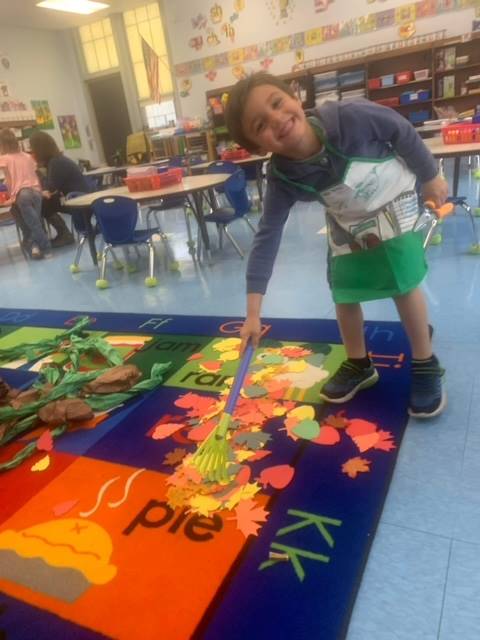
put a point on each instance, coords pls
(151, 67)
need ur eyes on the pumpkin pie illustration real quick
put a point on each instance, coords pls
(59, 558)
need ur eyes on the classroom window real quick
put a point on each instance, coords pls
(146, 22)
(161, 115)
(98, 46)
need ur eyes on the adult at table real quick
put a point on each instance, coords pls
(63, 176)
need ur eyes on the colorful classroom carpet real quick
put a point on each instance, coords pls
(110, 531)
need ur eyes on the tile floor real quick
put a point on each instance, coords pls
(422, 580)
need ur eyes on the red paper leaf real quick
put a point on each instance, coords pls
(278, 476)
(198, 434)
(196, 356)
(45, 441)
(358, 427)
(328, 435)
(354, 466)
(295, 352)
(248, 515)
(243, 476)
(162, 431)
(385, 442)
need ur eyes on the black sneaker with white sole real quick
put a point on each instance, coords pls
(427, 394)
(347, 381)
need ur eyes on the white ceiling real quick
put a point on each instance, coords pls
(24, 13)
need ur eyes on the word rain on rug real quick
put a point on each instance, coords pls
(108, 529)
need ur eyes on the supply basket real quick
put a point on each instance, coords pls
(235, 154)
(461, 133)
(157, 181)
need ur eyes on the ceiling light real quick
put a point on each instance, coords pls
(73, 6)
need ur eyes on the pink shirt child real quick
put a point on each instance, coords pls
(20, 172)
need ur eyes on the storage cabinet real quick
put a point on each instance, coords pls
(420, 82)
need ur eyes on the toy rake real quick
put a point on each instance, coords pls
(212, 456)
(431, 217)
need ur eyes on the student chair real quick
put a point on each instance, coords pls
(117, 218)
(236, 193)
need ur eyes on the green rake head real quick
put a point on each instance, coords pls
(212, 456)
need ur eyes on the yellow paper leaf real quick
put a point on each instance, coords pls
(303, 412)
(279, 411)
(229, 344)
(228, 356)
(246, 492)
(242, 454)
(297, 366)
(42, 464)
(204, 505)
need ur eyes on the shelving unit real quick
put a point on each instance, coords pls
(415, 58)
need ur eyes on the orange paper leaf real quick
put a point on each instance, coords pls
(328, 435)
(358, 427)
(248, 515)
(277, 477)
(164, 430)
(385, 442)
(366, 442)
(354, 466)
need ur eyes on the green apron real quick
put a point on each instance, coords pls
(371, 212)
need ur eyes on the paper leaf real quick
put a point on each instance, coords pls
(277, 477)
(328, 436)
(200, 433)
(304, 412)
(354, 466)
(42, 464)
(211, 366)
(339, 421)
(248, 516)
(45, 441)
(195, 356)
(174, 457)
(245, 492)
(259, 455)
(165, 430)
(358, 427)
(307, 429)
(366, 442)
(295, 352)
(243, 476)
(385, 442)
(252, 440)
(204, 505)
(64, 507)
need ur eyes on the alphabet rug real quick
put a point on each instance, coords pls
(109, 527)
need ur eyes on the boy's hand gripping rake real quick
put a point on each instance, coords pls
(212, 456)
(431, 217)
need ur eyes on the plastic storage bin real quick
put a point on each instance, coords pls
(351, 78)
(421, 74)
(403, 76)
(458, 133)
(418, 117)
(234, 154)
(388, 80)
(408, 97)
(389, 102)
(375, 83)
(156, 181)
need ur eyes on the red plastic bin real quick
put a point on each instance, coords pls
(374, 83)
(156, 181)
(235, 154)
(389, 102)
(403, 76)
(461, 133)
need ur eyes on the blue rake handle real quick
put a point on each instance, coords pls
(239, 379)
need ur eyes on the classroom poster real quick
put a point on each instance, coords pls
(43, 115)
(68, 127)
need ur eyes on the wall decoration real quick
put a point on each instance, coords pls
(322, 5)
(185, 87)
(299, 56)
(234, 17)
(69, 129)
(4, 93)
(216, 14)
(200, 22)
(282, 9)
(228, 31)
(239, 5)
(265, 64)
(209, 63)
(239, 72)
(211, 75)
(196, 43)
(406, 31)
(212, 38)
(43, 115)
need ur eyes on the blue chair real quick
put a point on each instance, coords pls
(236, 193)
(117, 218)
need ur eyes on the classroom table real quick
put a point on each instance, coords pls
(252, 159)
(456, 151)
(122, 171)
(192, 187)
